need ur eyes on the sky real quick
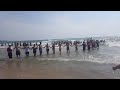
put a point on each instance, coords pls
(37, 25)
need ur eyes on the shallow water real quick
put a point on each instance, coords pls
(96, 64)
(104, 54)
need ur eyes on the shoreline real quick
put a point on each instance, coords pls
(35, 69)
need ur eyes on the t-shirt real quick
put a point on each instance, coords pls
(40, 47)
(9, 49)
(27, 49)
(34, 49)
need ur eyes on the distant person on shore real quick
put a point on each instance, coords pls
(9, 50)
(27, 50)
(59, 47)
(40, 48)
(53, 48)
(47, 48)
(34, 50)
(17, 51)
(84, 46)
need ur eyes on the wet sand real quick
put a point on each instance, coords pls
(36, 69)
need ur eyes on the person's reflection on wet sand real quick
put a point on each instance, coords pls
(53, 55)
(77, 53)
(9, 63)
(18, 64)
(60, 54)
(68, 54)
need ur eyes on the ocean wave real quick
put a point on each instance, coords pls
(113, 44)
(94, 60)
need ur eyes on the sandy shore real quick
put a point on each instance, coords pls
(35, 69)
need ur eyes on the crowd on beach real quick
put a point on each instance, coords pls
(89, 44)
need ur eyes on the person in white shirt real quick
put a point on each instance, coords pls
(27, 50)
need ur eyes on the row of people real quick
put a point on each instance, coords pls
(34, 48)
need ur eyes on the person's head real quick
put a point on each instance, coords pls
(26, 45)
(17, 45)
(34, 45)
(9, 45)
(40, 43)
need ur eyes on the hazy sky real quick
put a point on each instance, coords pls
(32, 25)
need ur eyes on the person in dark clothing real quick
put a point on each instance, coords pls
(20, 44)
(97, 42)
(53, 48)
(59, 47)
(47, 48)
(34, 50)
(68, 47)
(9, 50)
(84, 46)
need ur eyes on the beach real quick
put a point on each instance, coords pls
(29, 69)
(93, 64)
(59, 45)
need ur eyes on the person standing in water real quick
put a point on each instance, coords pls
(27, 50)
(68, 47)
(47, 48)
(84, 46)
(97, 42)
(34, 50)
(17, 51)
(9, 50)
(59, 47)
(76, 46)
(53, 48)
(88, 45)
(40, 48)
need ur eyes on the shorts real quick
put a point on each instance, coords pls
(34, 51)
(10, 54)
(76, 48)
(27, 53)
(67, 48)
(59, 49)
(17, 52)
(40, 51)
(47, 50)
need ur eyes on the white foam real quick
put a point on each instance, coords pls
(113, 44)
(96, 60)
